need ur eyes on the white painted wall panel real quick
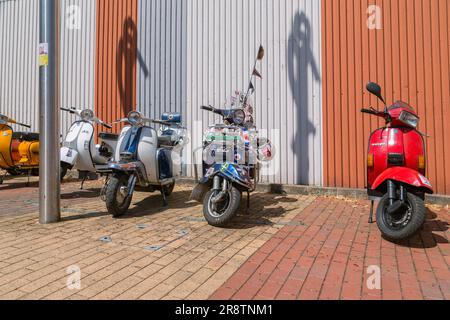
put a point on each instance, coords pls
(19, 73)
(222, 41)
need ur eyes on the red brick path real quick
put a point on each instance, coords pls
(328, 258)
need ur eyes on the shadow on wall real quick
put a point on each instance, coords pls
(127, 54)
(300, 59)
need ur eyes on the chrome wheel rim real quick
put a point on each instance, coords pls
(218, 209)
(400, 220)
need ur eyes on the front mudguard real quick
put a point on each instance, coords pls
(200, 190)
(403, 175)
(205, 184)
(130, 168)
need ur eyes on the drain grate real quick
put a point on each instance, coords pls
(153, 248)
(105, 239)
(182, 233)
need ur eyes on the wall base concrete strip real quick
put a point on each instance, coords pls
(327, 191)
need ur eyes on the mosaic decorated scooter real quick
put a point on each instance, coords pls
(232, 155)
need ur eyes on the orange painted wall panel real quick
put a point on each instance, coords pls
(408, 57)
(116, 47)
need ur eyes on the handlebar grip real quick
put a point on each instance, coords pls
(24, 125)
(207, 108)
(68, 110)
(368, 111)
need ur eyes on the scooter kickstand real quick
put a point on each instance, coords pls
(83, 181)
(165, 203)
(371, 212)
(247, 210)
(28, 178)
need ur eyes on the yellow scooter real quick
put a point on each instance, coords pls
(19, 151)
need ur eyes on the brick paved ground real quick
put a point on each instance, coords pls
(328, 258)
(287, 247)
(155, 252)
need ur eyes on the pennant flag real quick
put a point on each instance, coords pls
(256, 73)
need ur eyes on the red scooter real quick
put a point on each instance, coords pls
(396, 170)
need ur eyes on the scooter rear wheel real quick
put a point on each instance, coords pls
(117, 203)
(220, 214)
(402, 225)
(63, 171)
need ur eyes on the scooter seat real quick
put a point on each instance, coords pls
(26, 136)
(108, 136)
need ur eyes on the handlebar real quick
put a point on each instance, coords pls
(22, 124)
(208, 108)
(370, 111)
(212, 109)
(104, 124)
(384, 114)
(161, 122)
(68, 110)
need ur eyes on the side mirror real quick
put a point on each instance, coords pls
(375, 89)
(260, 53)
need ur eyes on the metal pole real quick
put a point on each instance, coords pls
(49, 167)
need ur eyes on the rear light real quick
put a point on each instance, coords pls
(396, 159)
(421, 162)
(370, 160)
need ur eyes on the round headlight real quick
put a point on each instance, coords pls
(239, 117)
(134, 117)
(87, 115)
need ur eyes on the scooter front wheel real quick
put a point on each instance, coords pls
(14, 172)
(404, 224)
(63, 171)
(219, 213)
(117, 199)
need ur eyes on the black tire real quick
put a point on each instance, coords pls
(168, 189)
(229, 207)
(14, 172)
(117, 207)
(401, 226)
(63, 172)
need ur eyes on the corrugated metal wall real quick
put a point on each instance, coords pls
(161, 57)
(408, 56)
(77, 57)
(116, 58)
(19, 74)
(222, 41)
